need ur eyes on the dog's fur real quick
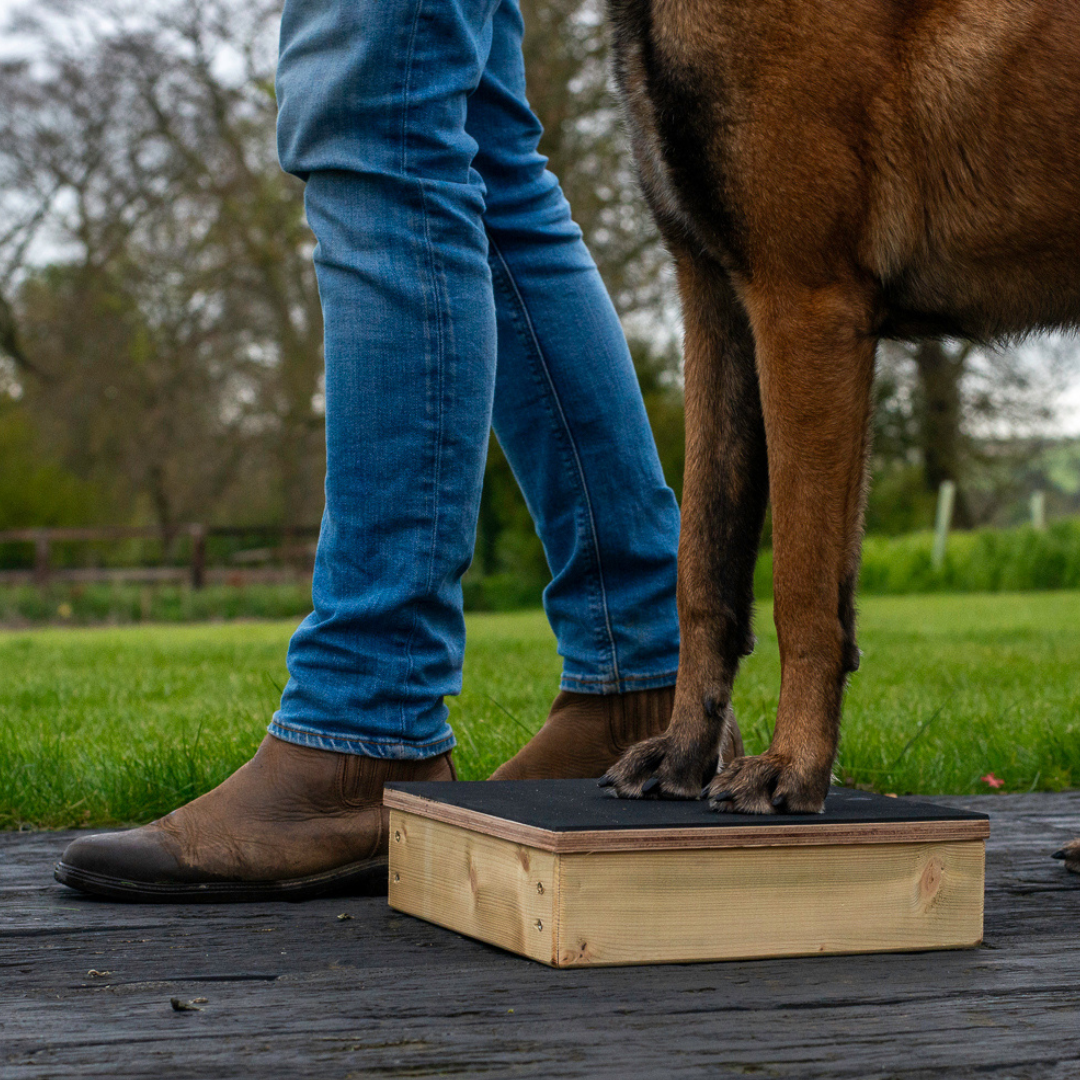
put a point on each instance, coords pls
(826, 175)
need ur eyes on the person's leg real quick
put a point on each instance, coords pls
(372, 110)
(570, 417)
(373, 106)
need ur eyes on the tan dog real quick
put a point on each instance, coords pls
(826, 175)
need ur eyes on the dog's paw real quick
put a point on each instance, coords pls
(767, 784)
(669, 766)
(1070, 855)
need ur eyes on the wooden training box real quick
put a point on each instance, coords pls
(562, 872)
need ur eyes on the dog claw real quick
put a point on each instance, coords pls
(1058, 854)
(704, 792)
(650, 786)
(724, 796)
(605, 781)
(779, 802)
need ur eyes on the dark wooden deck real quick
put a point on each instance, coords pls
(296, 991)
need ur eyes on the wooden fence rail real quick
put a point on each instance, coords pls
(290, 540)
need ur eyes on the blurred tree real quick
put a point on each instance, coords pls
(130, 398)
(138, 155)
(35, 489)
(949, 410)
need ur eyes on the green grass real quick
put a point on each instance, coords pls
(105, 726)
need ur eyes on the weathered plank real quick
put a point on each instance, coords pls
(294, 991)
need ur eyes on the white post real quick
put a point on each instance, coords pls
(946, 500)
(1038, 510)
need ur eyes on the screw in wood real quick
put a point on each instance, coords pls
(540, 887)
(539, 925)
(397, 836)
(397, 877)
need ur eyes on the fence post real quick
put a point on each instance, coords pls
(946, 500)
(42, 557)
(198, 556)
(1038, 510)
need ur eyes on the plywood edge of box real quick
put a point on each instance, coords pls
(583, 909)
(773, 834)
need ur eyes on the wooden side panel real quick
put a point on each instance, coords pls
(495, 890)
(672, 906)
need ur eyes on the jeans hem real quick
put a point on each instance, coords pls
(384, 749)
(623, 684)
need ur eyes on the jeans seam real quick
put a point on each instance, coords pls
(432, 270)
(406, 84)
(538, 352)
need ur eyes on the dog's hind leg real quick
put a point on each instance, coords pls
(815, 354)
(724, 496)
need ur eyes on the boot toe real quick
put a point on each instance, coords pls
(134, 857)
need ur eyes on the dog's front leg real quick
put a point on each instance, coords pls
(724, 496)
(815, 354)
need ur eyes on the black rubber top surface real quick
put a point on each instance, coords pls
(578, 805)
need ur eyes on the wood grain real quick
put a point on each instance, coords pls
(491, 889)
(664, 906)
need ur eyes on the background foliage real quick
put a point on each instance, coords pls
(160, 331)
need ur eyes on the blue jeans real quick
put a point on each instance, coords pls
(457, 296)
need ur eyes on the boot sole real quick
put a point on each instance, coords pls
(369, 878)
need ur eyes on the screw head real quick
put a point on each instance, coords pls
(397, 877)
(540, 887)
(397, 836)
(539, 925)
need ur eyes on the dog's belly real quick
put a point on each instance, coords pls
(983, 302)
(973, 175)
(989, 267)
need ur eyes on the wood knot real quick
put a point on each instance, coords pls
(930, 882)
(580, 954)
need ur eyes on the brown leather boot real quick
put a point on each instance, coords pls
(292, 823)
(585, 734)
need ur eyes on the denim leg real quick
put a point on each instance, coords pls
(382, 107)
(568, 412)
(373, 98)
